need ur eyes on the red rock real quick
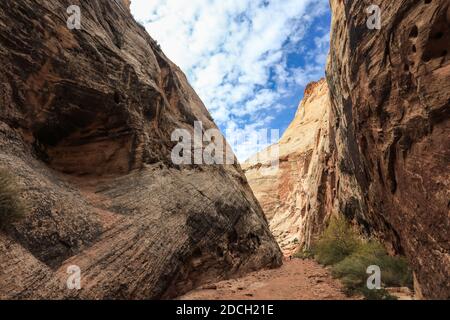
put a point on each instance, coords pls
(86, 119)
(292, 196)
(390, 92)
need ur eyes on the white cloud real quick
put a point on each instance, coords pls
(234, 52)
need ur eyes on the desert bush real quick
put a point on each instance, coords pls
(395, 271)
(349, 256)
(338, 241)
(352, 269)
(304, 254)
(12, 207)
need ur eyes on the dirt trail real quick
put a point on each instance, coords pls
(295, 280)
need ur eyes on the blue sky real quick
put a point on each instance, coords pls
(249, 60)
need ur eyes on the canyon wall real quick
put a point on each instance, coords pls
(86, 118)
(376, 146)
(294, 196)
(390, 129)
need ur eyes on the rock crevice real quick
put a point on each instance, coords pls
(294, 196)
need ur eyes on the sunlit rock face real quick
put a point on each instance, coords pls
(127, 3)
(86, 120)
(390, 92)
(294, 196)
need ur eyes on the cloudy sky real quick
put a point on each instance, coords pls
(249, 60)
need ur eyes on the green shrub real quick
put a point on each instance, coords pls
(304, 254)
(350, 255)
(395, 271)
(337, 242)
(352, 270)
(12, 207)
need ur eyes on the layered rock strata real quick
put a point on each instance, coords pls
(86, 117)
(293, 196)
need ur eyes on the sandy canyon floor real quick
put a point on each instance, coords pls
(295, 280)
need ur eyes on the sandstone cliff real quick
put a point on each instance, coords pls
(380, 151)
(293, 197)
(86, 118)
(390, 91)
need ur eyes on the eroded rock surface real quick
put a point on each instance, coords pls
(384, 160)
(390, 92)
(294, 196)
(86, 118)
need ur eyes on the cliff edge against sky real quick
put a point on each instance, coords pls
(86, 120)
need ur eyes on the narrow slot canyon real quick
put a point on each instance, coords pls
(360, 177)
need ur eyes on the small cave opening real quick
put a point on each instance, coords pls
(84, 132)
(438, 42)
(414, 32)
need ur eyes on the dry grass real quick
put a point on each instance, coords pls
(12, 207)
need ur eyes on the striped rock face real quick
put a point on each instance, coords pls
(86, 119)
(291, 196)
